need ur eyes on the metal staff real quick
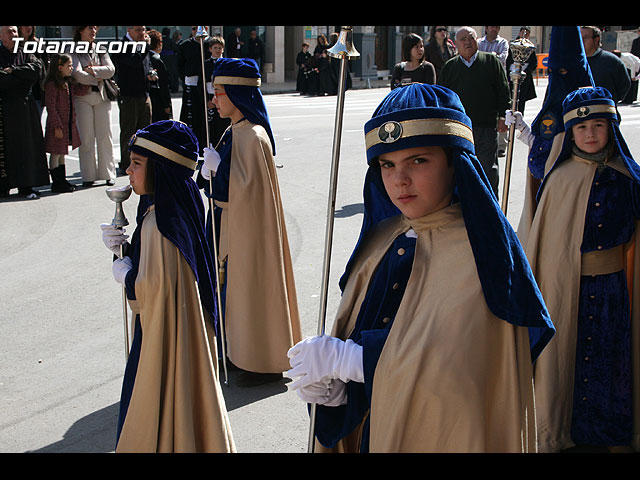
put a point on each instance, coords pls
(343, 50)
(201, 35)
(119, 195)
(520, 48)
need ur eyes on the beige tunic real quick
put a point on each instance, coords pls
(553, 250)
(531, 190)
(452, 377)
(261, 318)
(176, 403)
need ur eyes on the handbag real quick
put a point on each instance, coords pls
(111, 89)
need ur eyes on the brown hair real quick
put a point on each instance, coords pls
(156, 39)
(53, 72)
(77, 30)
(215, 40)
(408, 42)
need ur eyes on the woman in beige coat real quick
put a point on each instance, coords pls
(93, 110)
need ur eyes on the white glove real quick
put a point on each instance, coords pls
(211, 162)
(524, 130)
(325, 357)
(515, 117)
(113, 237)
(330, 393)
(120, 268)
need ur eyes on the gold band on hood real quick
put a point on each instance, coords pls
(585, 111)
(422, 126)
(165, 152)
(245, 81)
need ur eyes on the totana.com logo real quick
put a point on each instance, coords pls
(68, 46)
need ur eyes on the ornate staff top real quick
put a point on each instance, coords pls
(344, 46)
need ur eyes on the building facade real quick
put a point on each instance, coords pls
(379, 46)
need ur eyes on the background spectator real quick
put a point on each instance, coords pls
(255, 48)
(480, 81)
(527, 90)
(439, 48)
(159, 92)
(61, 120)
(93, 110)
(608, 70)
(414, 68)
(192, 111)
(169, 58)
(23, 161)
(132, 69)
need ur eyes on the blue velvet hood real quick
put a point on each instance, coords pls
(173, 149)
(591, 103)
(428, 115)
(241, 79)
(568, 70)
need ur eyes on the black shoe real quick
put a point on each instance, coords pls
(111, 183)
(87, 184)
(64, 187)
(501, 153)
(28, 192)
(253, 379)
(59, 182)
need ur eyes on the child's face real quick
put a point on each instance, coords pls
(226, 109)
(137, 172)
(66, 68)
(216, 50)
(418, 180)
(591, 136)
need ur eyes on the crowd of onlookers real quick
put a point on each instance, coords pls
(445, 58)
(76, 91)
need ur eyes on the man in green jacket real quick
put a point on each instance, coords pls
(481, 83)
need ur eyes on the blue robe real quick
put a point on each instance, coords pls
(602, 384)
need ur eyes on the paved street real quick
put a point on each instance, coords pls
(62, 351)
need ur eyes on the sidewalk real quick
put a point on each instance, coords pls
(290, 86)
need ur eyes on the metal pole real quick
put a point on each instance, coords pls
(343, 49)
(509, 159)
(521, 49)
(119, 195)
(125, 314)
(201, 34)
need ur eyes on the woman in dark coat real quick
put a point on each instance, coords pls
(322, 68)
(439, 48)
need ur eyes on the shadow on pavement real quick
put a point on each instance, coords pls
(96, 433)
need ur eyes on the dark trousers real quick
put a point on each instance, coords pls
(486, 146)
(135, 113)
(632, 94)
